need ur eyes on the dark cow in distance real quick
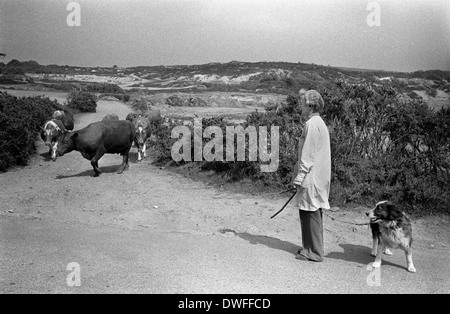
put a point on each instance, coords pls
(133, 115)
(99, 138)
(66, 118)
(152, 113)
(111, 117)
(51, 133)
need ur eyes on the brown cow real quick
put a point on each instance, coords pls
(99, 138)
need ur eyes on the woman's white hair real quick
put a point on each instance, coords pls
(313, 99)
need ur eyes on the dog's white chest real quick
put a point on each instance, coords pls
(393, 236)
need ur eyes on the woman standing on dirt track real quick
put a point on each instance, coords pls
(312, 176)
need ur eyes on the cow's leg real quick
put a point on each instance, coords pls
(97, 170)
(144, 149)
(124, 165)
(139, 147)
(94, 161)
(53, 150)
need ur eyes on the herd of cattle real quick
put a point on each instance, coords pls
(109, 136)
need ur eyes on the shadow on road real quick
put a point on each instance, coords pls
(90, 172)
(352, 253)
(46, 156)
(273, 243)
(358, 254)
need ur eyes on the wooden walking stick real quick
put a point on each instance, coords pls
(284, 205)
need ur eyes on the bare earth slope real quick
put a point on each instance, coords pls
(153, 231)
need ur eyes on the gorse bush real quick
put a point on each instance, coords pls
(387, 148)
(82, 101)
(121, 97)
(288, 118)
(20, 120)
(141, 105)
(163, 143)
(174, 101)
(106, 88)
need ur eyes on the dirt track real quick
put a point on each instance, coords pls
(150, 230)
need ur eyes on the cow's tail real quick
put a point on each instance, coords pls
(132, 133)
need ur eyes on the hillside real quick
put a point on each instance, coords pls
(280, 78)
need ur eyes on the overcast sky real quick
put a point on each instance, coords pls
(412, 35)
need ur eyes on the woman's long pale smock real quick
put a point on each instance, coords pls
(313, 167)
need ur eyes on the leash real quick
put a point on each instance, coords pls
(347, 222)
(332, 218)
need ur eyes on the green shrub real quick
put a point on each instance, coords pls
(82, 101)
(141, 104)
(163, 144)
(386, 148)
(174, 101)
(106, 88)
(21, 119)
(121, 97)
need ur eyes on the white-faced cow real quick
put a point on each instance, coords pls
(142, 133)
(143, 128)
(99, 138)
(51, 133)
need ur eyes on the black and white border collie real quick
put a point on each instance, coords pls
(391, 229)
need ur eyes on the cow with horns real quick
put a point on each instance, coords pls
(99, 138)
